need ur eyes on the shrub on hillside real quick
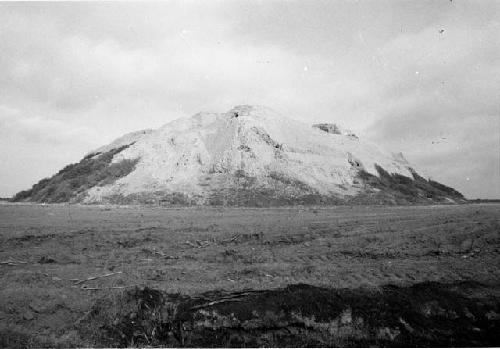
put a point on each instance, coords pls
(445, 189)
(403, 188)
(74, 179)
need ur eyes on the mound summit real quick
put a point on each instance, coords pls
(248, 156)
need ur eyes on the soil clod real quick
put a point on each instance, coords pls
(46, 260)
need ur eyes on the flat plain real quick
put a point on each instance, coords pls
(58, 260)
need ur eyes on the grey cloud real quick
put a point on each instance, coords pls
(96, 70)
(36, 129)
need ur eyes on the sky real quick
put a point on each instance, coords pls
(420, 77)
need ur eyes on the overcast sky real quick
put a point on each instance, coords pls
(421, 77)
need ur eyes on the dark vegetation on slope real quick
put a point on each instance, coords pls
(401, 189)
(286, 191)
(74, 179)
(242, 190)
(238, 190)
(424, 314)
(282, 191)
(485, 201)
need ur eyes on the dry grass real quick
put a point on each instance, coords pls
(198, 249)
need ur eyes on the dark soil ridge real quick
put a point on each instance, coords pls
(425, 314)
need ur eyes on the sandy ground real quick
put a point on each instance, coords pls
(49, 251)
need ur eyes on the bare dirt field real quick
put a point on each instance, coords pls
(75, 275)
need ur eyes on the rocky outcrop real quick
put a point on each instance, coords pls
(334, 129)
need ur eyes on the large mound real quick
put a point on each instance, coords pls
(248, 156)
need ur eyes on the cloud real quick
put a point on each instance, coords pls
(18, 127)
(441, 107)
(81, 74)
(197, 63)
(34, 147)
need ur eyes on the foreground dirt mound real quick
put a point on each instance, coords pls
(425, 314)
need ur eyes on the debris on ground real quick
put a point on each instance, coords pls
(46, 260)
(13, 262)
